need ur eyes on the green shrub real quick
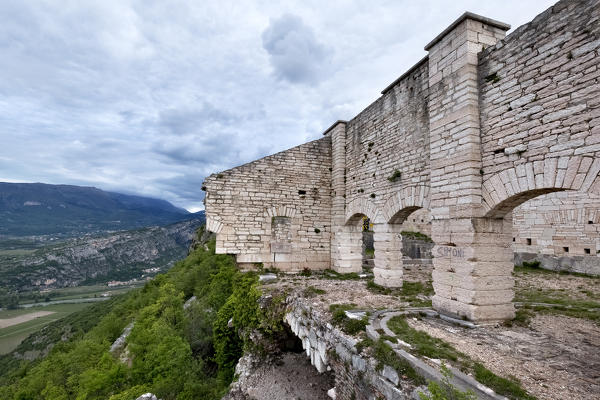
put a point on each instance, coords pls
(446, 390)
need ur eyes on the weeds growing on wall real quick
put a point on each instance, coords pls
(445, 390)
(416, 235)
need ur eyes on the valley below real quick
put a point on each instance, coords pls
(32, 267)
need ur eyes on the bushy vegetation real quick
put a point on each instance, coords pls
(173, 352)
(416, 236)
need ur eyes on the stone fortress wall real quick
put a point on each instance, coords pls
(470, 133)
(276, 210)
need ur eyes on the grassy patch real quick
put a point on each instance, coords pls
(12, 336)
(561, 303)
(385, 355)
(445, 389)
(506, 387)
(366, 342)
(533, 268)
(422, 343)
(409, 292)
(346, 324)
(312, 291)
(331, 274)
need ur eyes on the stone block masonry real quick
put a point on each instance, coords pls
(275, 211)
(478, 127)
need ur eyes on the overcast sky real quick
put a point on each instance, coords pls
(149, 97)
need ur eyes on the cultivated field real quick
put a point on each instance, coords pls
(33, 319)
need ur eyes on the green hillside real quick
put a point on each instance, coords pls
(173, 352)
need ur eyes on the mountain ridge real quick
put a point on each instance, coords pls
(28, 209)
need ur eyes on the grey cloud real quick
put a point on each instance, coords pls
(151, 97)
(218, 148)
(294, 51)
(186, 121)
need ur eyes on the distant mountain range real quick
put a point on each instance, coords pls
(28, 209)
(95, 259)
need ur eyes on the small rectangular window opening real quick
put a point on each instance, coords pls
(528, 241)
(587, 251)
(566, 249)
(590, 222)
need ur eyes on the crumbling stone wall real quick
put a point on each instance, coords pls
(276, 210)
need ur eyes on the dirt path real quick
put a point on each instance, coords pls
(5, 323)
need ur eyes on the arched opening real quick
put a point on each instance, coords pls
(474, 258)
(558, 232)
(368, 248)
(417, 246)
(350, 244)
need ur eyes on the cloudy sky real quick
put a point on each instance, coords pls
(149, 97)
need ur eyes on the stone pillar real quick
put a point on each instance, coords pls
(348, 241)
(388, 269)
(472, 277)
(343, 242)
(473, 265)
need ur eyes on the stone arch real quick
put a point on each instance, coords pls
(506, 190)
(281, 211)
(213, 225)
(403, 203)
(359, 207)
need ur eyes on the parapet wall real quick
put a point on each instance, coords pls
(392, 134)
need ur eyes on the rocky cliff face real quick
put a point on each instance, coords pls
(119, 256)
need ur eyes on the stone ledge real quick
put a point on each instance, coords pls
(467, 15)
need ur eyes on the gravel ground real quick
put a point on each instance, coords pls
(338, 291)
(291, 379)
(555, 357)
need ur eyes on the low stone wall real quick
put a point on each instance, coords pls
(583, 264)
(356, 376)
